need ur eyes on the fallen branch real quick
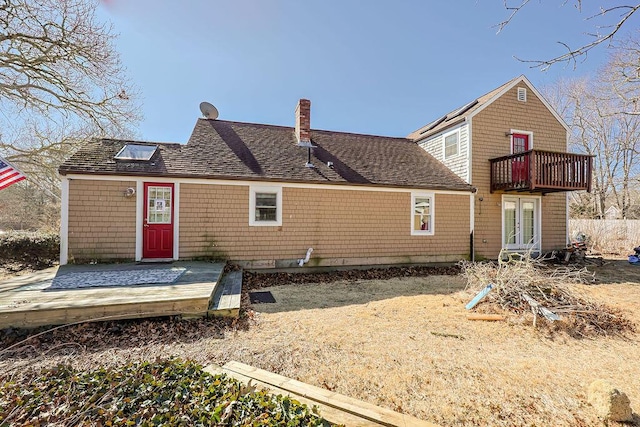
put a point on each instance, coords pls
(446, 335)
(522, 284)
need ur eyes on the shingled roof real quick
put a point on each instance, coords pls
(219, 149)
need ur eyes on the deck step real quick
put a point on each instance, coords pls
(225, 301)
(333, 407)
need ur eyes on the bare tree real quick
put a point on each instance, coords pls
(623, 74)
(58, 60)
(61, 82)
(599, 128)
(608, 20)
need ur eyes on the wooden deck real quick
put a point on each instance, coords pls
(28, 301)
(541, 171)
(334, 407)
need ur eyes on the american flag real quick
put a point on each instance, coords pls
(8, 174)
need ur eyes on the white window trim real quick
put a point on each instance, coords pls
(431, 230)
(252, 205)
(520, 132)
(444, 145)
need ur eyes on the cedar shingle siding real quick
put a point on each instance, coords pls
(345, 227)
(102, 222)
(489, 141)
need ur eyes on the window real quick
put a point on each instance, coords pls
(422, 214)
(136, 152)
(159, 205)
(265, 206)
(451, 144)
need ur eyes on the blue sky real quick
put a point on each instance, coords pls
(368, 66)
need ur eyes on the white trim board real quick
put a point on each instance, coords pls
(139, 218)
(176, 221)
(246, 183)
(537, 245)
(64, 222)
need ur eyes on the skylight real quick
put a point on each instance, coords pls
(136, 152)
(433, 124)
(462, 110)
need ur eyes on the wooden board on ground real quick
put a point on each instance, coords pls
(334, 407)
(487, 317)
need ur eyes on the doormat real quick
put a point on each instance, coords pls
(97, 279)
(262, 297)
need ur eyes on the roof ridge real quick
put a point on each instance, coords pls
(312, 129)
(363, 134)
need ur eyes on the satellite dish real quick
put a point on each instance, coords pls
(208, 110)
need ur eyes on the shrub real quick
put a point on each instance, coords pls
(170, 392)
(20, 249)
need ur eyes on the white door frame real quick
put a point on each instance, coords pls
(519, 245)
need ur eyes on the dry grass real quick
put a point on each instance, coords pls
(406, 344)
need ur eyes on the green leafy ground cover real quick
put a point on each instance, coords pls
(161, 393)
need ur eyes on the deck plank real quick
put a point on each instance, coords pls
(190, 295)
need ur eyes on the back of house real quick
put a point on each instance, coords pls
(262, 196)
(492, 174)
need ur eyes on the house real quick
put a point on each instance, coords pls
(263, 195)
(511, 145)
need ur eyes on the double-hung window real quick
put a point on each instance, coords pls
(265, 206)
(451, 144)
(422, 214)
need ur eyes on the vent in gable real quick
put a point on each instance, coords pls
(522, 94)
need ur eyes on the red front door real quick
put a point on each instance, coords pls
(520, 165)
(158, 221)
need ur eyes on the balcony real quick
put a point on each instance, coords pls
(541, 172)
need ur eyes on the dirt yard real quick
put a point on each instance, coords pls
(402, 343)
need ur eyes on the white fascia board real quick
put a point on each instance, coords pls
(244, 183)
(453, 128)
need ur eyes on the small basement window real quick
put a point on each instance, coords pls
(422, 214)
(451, 144)
(136, 152)
(265, 206)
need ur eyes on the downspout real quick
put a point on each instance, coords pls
(472, 220)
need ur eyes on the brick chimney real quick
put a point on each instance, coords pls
(303, 121)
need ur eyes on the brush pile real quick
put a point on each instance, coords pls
(526, 286)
